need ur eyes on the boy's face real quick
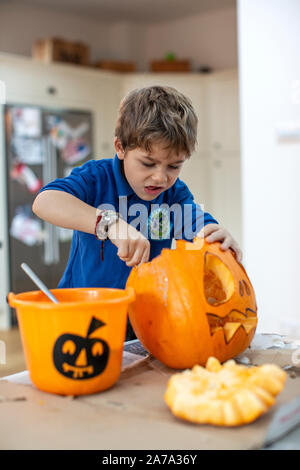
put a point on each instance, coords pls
(150, 173)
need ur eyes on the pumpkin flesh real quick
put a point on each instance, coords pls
(228, 395)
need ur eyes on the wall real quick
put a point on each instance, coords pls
(269, 71)
(208, 38)
(21, 25)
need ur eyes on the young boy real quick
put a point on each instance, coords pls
(155, 133)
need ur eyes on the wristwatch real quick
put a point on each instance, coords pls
(104, 220)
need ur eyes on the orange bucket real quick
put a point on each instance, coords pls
(73, 347)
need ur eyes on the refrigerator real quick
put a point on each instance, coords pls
(41, 144)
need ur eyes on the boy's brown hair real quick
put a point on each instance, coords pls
(154, 114)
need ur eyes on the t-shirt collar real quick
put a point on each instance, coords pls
(123, 187)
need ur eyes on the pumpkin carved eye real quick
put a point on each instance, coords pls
(69, 347)
(218, 281)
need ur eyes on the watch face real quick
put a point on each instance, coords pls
(108, 218)
(109, 215)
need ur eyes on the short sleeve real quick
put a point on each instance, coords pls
(188, 216)
(82, 182)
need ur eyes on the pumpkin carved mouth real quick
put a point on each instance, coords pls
(218, 292)
(232, 322)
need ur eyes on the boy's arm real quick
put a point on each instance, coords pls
(65, 210)
(69, 202)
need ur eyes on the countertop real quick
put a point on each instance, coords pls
(132, 414)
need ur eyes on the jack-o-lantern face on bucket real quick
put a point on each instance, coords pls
(79, 357)
(192, 303)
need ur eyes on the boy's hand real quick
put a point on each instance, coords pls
(214, 233)
(133, 247)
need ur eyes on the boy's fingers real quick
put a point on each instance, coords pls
(145, 257)
(124, 251)
(239, 255)
(131, 246)
(134, 260)
(227, 243)
(137, 254)
(209, 228)
(215, 236)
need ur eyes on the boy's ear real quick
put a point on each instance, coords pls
(119, 149)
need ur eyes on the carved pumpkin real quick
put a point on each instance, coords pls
(192, 303)
(228, 395)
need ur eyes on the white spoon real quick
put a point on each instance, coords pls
(38, 282)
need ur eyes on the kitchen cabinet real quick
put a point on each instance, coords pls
(223, 137)
(223, 128)
(225, 193)
(196, 173)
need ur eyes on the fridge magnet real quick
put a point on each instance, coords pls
(206, 299)
(27, 150)
(25, 176)
(26, 229)
(26, 122)
(75, 151)
(80, 130)
(59, 131)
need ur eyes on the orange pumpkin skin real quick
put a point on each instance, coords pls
(171, 315)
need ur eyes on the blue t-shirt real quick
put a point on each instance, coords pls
(100, 183)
